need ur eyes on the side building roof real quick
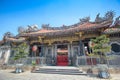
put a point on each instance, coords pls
(115, 28)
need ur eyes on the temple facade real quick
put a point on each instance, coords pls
(65, 45)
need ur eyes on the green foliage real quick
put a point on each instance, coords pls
(101, 47)
(20, 51)
(101, 44)
(33, 63)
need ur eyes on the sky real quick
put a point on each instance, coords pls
(15, 13)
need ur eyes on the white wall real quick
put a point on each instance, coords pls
(0, 53)
(7, 55)
(6, 51)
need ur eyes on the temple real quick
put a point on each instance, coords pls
(65, 45)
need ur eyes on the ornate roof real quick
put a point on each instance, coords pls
(115, 28)
(15, 39)
(112, 30)
(86, 26)
(117, 22)
(83, 25)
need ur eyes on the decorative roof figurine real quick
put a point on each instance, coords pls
(117, 21)
(83, 20)
(108, 17)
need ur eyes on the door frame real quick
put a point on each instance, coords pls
(67, 48)
(62, 44)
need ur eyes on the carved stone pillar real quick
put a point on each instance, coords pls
(42, 50)
(81, 48)
(69, 54)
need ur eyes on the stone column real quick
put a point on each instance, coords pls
(81, 48)
(52, 51)
(71, 47)
(55, 49)
(42, 54)
(69, 54)
(76, 60)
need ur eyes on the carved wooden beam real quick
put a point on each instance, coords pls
(61, 39)
(80, 34)
(40, 39)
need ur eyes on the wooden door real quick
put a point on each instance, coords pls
(62, 60)
(62, 55)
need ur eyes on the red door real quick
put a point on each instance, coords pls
(62, 60)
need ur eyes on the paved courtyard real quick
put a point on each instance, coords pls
(9, 75)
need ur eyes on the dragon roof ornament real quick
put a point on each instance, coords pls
(117, 21)
(107, 17)
(29, 28)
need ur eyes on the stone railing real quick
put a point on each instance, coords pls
(112, 60)
(28, 61)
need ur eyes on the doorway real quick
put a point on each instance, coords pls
(62, 55)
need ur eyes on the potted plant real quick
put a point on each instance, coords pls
(33, 66)
(100, 48)
(21, 53)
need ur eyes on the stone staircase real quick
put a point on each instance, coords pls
(60, 70)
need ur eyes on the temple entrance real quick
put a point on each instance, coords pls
(62, 55)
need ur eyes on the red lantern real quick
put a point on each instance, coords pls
(91, 44)
(34, 48)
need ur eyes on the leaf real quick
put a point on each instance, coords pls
(20, 51)
(101, 44)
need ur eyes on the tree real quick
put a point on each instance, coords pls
(100, 47)
(21, 51)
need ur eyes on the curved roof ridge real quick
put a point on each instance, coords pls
(87, 26)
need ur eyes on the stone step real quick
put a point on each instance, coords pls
(60, 70)
(66, 73)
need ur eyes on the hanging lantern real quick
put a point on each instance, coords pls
(34, 48)
(91, 44)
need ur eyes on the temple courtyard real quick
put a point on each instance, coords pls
(27, 75)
